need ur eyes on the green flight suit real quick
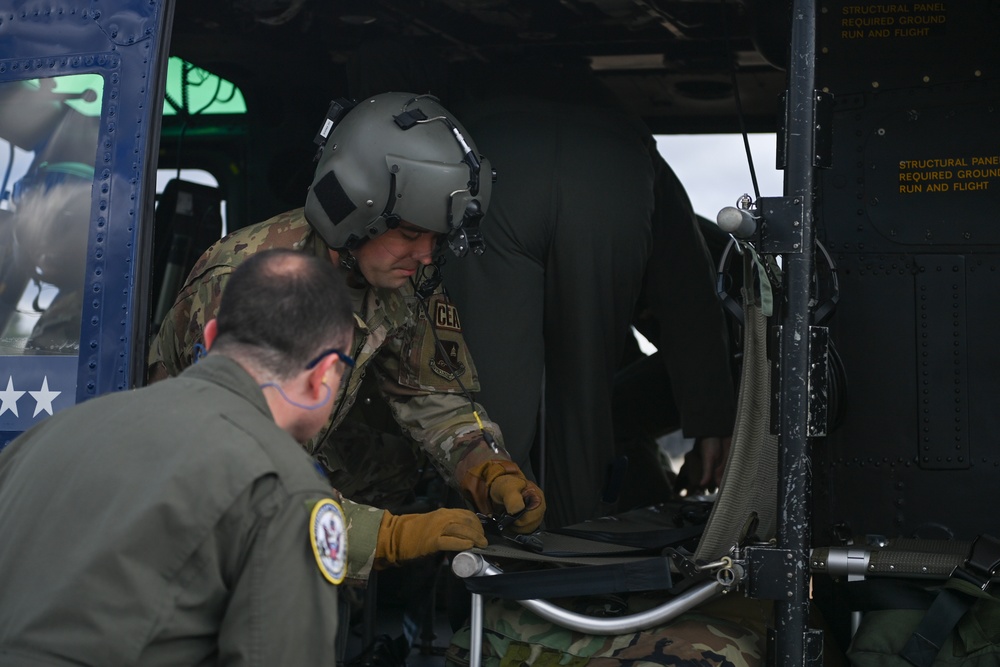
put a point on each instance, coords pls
(164, 526)
(393, 340)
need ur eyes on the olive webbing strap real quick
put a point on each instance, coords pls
(749, 484)
(968, 583)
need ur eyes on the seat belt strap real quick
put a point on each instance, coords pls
(647, 539)
(951, 604)
(648, 574)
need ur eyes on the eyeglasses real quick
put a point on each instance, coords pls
(347, 359)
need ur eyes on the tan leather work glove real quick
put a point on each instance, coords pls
(409, 536)
(507, 489)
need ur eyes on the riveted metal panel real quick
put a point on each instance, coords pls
(942, 371)
(125, 42)
(909, 211)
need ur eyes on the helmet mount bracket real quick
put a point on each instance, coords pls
(338, 108)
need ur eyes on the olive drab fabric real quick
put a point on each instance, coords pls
(393, 342)
(167, 526)
(974, 642)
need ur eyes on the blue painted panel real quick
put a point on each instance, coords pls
(32, 388)
(124, 41)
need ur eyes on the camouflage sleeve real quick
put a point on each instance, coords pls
(181, 337)
(429, 381)
(447, 429)
(176, 344)
(363, 522)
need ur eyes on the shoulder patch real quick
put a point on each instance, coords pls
(328, 537)
(445, 361)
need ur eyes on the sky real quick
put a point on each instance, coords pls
(714, 171)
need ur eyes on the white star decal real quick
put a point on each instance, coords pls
(43, 397)
(8, 398)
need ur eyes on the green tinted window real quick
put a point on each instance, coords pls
(198, 91)
(47, 151)
(81, 92)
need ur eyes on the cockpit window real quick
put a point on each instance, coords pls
(47, 152)
(192, 91)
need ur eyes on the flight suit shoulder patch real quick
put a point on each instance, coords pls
(328, 537)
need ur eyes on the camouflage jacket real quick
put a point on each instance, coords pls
(392, 339)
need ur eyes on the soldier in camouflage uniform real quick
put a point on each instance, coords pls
(396, 174)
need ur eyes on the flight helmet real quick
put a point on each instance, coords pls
(394, 157)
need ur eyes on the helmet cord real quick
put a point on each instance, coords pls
(739, 104)
(422, 299)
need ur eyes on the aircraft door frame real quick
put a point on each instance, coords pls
(125, 42)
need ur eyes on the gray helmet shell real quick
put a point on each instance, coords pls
(372, 172)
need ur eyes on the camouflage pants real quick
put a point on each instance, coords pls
(514, 636)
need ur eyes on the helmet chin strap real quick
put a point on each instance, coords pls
(315, 406)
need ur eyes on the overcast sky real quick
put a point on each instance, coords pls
(714, 171)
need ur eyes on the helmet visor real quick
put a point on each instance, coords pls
(452, 184)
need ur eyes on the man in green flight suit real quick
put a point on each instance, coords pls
(183, 524)
(396, 175)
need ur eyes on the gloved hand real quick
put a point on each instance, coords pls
(409, 536)
(510, 491)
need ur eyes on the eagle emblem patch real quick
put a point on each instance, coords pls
(328, 536)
